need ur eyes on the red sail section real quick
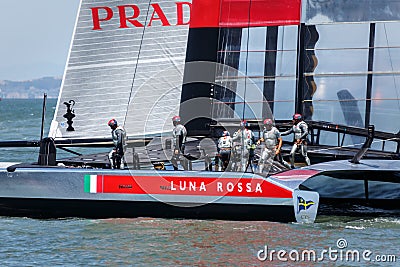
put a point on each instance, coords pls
(205, 13)
(244, 13)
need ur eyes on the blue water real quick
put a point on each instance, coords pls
(21, 119)
(161, 242)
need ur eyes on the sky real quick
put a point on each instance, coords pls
(35, 37)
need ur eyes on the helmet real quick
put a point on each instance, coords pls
(297, 117)
(112, 122)
(244, 123)
(176, 119)
(268, 122)
(225, 133)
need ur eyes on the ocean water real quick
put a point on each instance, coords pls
(21, 119)
(336, 241)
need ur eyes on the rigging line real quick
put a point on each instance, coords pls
(391, 64)
(137, 62)
(247, 59)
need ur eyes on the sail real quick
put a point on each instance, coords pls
(126, 62)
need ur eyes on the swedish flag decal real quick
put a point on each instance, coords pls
(303, 204)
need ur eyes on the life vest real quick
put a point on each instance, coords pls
(299, 129)
(244, 138)
(225, 142)
(179, 131)
(271, 137)
(115, 134)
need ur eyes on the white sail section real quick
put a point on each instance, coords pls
(125, 58)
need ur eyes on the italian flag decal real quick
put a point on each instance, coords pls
(93, 183)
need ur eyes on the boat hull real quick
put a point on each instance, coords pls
(100, 209)
(63, 192)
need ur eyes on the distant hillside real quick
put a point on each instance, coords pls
(30, 89)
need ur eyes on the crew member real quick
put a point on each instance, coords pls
(245, 142)
(273, 142)
(224, 149)
(116, 156)
(178, 141)
(300, 131)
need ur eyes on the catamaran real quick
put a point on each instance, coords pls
(215, 63)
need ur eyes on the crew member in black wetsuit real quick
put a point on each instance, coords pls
(116, 155)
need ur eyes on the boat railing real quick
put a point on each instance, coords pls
(316, 129)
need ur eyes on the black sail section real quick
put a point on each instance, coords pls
(195, 109)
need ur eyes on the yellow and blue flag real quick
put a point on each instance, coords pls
(303, 204)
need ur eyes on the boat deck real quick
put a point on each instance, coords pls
(197, 150)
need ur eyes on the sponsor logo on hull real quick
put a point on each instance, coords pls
(176, 185)
(305, 205)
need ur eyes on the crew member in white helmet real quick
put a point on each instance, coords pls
(224, 149)
(300, 131)
(178, 141)
(116, 156)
